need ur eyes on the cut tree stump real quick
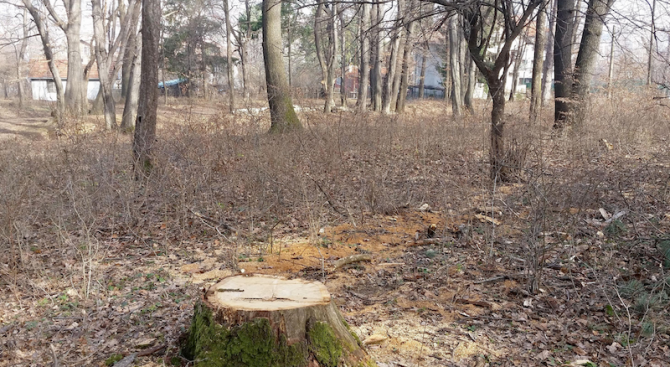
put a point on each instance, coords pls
(264, 321)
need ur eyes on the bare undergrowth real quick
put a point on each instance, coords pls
(70, 207)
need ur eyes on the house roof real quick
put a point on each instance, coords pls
(39, 69)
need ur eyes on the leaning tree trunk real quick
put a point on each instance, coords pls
(563, 61)
(586, 59)
(145, 123)
(282, 114)
(263, 320)
(132, 94)
(536, 86)
(361, 102)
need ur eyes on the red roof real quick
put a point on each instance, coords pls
(39, 69)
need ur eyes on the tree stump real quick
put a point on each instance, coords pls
(263, 321)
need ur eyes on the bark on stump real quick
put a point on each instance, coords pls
(262, 320)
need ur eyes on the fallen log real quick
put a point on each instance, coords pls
(262, 320)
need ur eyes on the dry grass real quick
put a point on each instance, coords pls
(71, 204)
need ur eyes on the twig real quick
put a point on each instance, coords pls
(424, 242)
(150, 351)
(53, 355)
(491, 279)
(127, 361)
(329, 200)
(351, 259)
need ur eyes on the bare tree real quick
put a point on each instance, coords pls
(282, 114)
(74, 96)
(48, 54)
(145, 124)
(563, 60)
(588, 52)
(410, 30)
(132, 93)
(25, 28)
(454, 54)
(393, 59)
(549, 53)
(377, 46)
(229, 58)
(325, 41)
(364, 71)
(343, 62)
(538, 54)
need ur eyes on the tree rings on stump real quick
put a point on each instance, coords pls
(263, 321)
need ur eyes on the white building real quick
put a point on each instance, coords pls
(43, 85)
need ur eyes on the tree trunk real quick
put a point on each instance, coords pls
(454, 52)
(132, 95)
(244, 45)
(652, 34)
(229, 58)
(343, 63)
(271, 322)
(548, 66)
(48, 54)
(586, 59)
(364, 72)
(406, 59)
(109, 108)
(563, 60)
(128, 63)
(497, 149)
(391, 70)
(145, 124)
(538, 50)
(325, 51)
(21, 56)
(518, 59)
(472, 82)
(75, 74)
(282, 115)
(610, 74)
(376, 78)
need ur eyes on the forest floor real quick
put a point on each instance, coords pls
(566, 266)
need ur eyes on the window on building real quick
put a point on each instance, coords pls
(51, 86)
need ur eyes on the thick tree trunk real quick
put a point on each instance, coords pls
(538, 51)
(109, 108)
(75, 74)
(563, 60)
(364, 72)
(270, 321)
(548, 66)
(145, 124)
(376, 78)
(282, 114)
(229, 58)
(586, 59)
(454, 52)
(132, 95)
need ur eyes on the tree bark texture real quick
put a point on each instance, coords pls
(145, 124)
(48, 54)
(343, 62)
(588, 54)
(376, 78)
(282, 114)
(563, 60)
(264, 321)
(470, 89)
(132, 95)
(548, 65)
(538, 53)
(454, 54)
(229, 59)
(101, 56)
(364, 71)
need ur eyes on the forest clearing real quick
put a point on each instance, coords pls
(564, 265)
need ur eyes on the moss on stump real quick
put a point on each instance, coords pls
(294, 329)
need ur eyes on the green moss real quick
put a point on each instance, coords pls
(289, 119)
(113, 359)
(323, 343)
(358, 340)
(253, 344)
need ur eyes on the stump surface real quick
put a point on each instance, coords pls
(261, 320)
